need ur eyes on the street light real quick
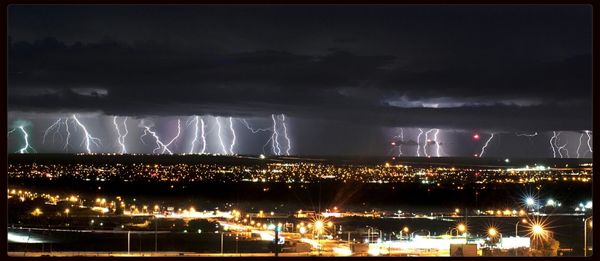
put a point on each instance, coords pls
(524, 221)
(585, 235)
(405, 230)
(462, 228)
(493, 232)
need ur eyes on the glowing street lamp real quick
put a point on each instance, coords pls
(405, 230)
(585, 222)
(529, 201)
(524, 221)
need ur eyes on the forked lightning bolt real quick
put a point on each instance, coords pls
(26, 140)
(274, 137)
(121, 138)
(87, 138)
(159, 144)
(166, 147)
(56, 124)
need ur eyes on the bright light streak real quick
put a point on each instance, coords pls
(552, 144)
(121, 138)
(159, 143)
(285, 134)
(589, 141)
(232, 135)
(527, 134)
(579, 146)
(87, 137)
(486, 144)
(195, 134)
(254, 131)
(68, 134)
(26, 140)
(202, 134)
(437, 143)
(418, 142)
(427, 140)
(274, 137)
(166, 146)
(219, 134)
(56, 123)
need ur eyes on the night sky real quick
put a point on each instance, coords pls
(349, 79)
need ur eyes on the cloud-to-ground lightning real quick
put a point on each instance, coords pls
(486, 144)
(589, 141)
(159, 144)
(579, 146)
(418, 142)
(56, 124)
(26, 140)
(219, 135)
(121, 138)
(232, 135)
(275, 137)
(166, 147)
(196, 119)
(285, 134)
(66, 147)
(202, 134)
(427, 141)
(437, 143)
(557, 147)
(401, 136)
(552, 144)
(87, 139)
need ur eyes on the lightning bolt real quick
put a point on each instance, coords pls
(527, 134)
(579, 146)
(56, 123)
(427, 140)
(11, 131)
(289, 146)
(552, 143)
(159, 143)
(166, 146)
(195, 134)
(232, 135)
(589, 141)
(254, 131)
(203, 136)
(88, 139)
(558, 148)
(418, 143)
(401, 136)
(485, 146)
(437, 144)
(219, 134)
(26, 139)
(274, 137)
(121, 138)
(66, 147)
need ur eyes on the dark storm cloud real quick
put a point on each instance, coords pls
(472, 67)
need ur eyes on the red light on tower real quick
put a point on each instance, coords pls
(476, 136)
(393, 143)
